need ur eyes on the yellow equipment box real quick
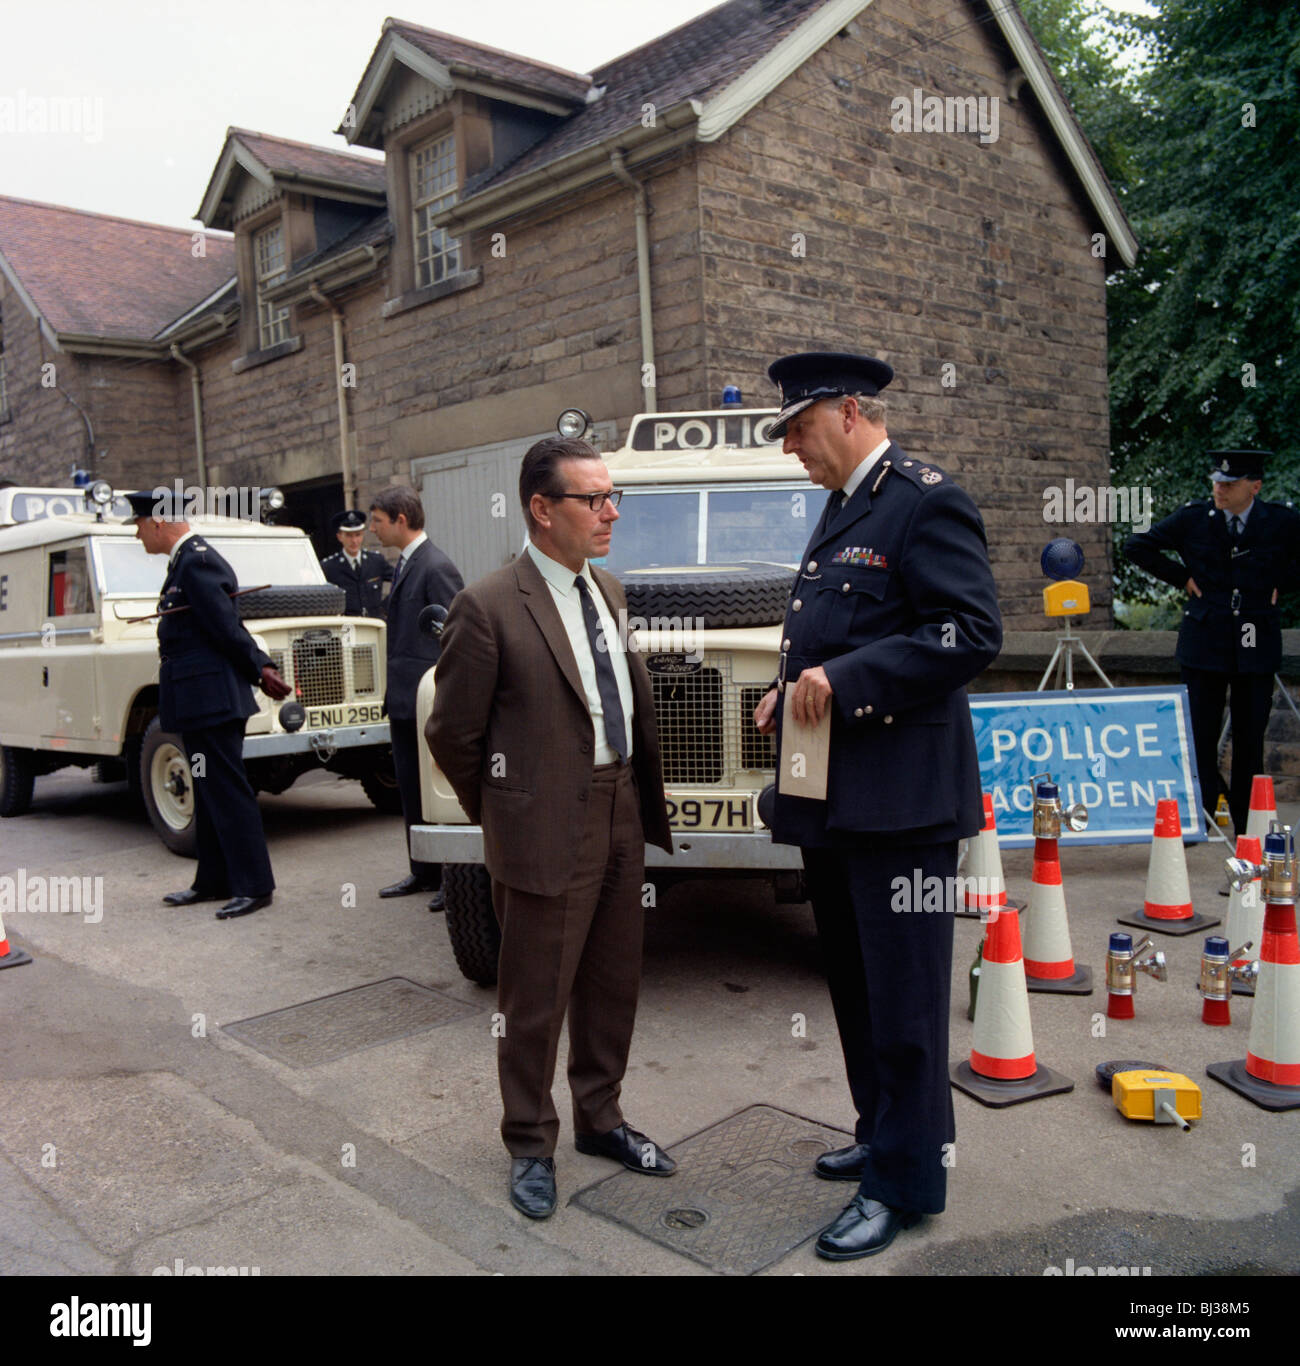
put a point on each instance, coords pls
(1165, 1097)
(1069, 598)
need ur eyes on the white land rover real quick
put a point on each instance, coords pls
(79, 658)
(712, 526)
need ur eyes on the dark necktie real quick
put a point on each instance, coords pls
(1234, 526)
(606, 683)
(397, 571)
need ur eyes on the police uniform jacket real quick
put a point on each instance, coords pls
(895, 599)
(209, 662)
(364, 586)
(1236, 581)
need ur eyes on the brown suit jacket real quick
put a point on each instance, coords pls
(511, 729)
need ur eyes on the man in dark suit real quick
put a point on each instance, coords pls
(544, 725)
(1236, 553)
(893, 612)
(208, 662)
(361, 574)
(423, 576)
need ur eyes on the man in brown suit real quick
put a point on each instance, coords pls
(544, 725)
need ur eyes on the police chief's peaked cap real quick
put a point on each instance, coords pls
(811, 375)
(158, 502)
(1230, 465)
(351, 520)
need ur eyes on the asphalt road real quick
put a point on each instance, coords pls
(137, 1133)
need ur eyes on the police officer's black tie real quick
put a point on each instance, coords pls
(606, 683)
(1234, 526)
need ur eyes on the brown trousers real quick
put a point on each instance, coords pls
(581, 951)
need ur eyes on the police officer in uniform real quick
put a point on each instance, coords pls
(361, 574)
(1237, 552)
(893, 612)
(209, 664)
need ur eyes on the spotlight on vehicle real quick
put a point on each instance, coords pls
(573, 423)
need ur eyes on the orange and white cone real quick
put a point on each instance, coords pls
(985, 890)
(1246, 914)
(11, 956)
(1167, 907)
(1263, 807)
(1003, 1069)
(1270, 1072)
(1049, 959)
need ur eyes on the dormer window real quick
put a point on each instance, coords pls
(433, 188)
(268, 255)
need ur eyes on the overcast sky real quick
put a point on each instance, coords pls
(149, 89)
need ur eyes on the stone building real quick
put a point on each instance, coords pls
(901, 177)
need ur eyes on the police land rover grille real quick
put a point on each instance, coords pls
(706, 724)
(323, 672)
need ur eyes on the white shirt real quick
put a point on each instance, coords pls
(404, 559)
(564, 592)
(854, 481)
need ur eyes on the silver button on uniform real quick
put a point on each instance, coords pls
(796, 604)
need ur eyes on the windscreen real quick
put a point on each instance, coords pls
(128, 570)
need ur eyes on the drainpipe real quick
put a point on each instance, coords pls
(196, 391)
(349, 488)
(642, 275)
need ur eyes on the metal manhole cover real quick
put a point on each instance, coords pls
(346, 1022)
(743, 1196)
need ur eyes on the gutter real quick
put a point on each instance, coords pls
(335, 273)
(349, 488)
(196, 393)
(619, 167)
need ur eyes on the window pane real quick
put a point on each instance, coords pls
(655, 530)
(762, 524)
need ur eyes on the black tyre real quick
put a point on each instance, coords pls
(109, 771)
(17, 777)
(380, 785)
(168, 790)
(290, 600)
(471, 922)
(746, 594)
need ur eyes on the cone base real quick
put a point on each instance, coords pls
(1267, 1095)
(997, 1095)
(1078, 985)
(974, 913)
(15, 958)
(1189, 926)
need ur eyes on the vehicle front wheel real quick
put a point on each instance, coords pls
(17, 777)
(471, 924)
(168, 789)
(380, 785)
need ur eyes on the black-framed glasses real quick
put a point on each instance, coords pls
(595, 501)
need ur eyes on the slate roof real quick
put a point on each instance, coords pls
(696, 60)
(281, 156)
(93, 274)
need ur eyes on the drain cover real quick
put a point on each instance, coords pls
(331, 1027)
(743, 1196)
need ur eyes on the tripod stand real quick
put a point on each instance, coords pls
(1062, 660)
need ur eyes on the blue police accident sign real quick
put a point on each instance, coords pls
(1116, 750)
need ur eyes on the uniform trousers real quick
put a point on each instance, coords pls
(579, 951)
(233, 859)
(1250, 703)
(407, 757)
(890, 973)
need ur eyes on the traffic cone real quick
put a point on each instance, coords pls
(985, 889)
(11, 956)
(1049, 960)
(1263, 807)
(1167, 908)
(1003, 1069)
(1269, 1074)
(1246, 911)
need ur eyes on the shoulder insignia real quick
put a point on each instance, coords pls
(198, 545)
(930, 476)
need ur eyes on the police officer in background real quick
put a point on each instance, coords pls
(1236, 553)
(209, 665)
(361, 574)
(893, 612)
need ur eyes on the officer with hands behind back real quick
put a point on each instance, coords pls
(893, 612)
(209, 664)
(1237, 553)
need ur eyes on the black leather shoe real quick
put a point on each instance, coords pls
(626, 1145)
(189, 896)
(864, 1227)
(843, 1164)
(243, 905)
(438, 902)
(532, 1186)
(408, 886)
